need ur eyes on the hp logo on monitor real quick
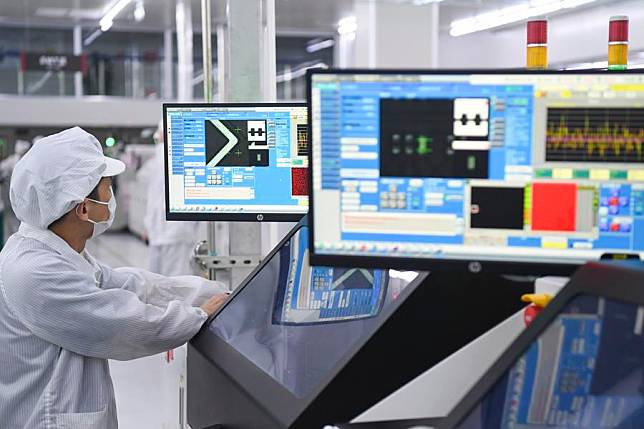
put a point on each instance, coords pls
(475, 267)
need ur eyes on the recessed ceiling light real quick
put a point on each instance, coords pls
(348, 25)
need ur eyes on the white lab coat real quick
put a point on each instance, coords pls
(171, 243)
(63, 314)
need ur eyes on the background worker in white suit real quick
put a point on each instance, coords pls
(171, 243)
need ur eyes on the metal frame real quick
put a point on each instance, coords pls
(612, 280)
(237, 217)
(222, 262)
(473, 266)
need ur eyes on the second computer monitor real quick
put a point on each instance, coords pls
(522, 172)
(236, 161)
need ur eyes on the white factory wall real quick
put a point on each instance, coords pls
(87, 111)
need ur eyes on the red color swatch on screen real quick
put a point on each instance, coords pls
(554, 206)
(300, 181)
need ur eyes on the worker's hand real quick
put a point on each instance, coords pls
(213, 304)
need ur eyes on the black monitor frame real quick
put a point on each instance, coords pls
(429, 264)
(612, 280)
(248, 216)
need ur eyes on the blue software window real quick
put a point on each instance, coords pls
(230, 159)
(484, 167)
(583, 371)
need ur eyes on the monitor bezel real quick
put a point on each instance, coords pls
(474, 266)
(247, 216)
(611, 280)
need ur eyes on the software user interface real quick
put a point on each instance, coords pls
(237, 159)
(298, 331)
(525, 167)
(326, 294)
(586, 370)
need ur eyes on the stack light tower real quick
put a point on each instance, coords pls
(537, 44)
(618, 43)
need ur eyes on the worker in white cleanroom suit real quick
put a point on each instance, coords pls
(62, 313)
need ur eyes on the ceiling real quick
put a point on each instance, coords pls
(292, 16)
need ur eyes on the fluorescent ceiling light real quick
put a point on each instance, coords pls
(424, 2)
(139, 11)
(300, 71)
(88, 41)
(347, 25)
(318, 45)
(52, 12)
(92, 14)
(108, 19)
(512, 14)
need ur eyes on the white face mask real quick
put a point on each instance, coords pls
(104, 225)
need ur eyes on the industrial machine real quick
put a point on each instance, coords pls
(296, 343)
(464, 173)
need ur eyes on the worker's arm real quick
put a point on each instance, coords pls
(66, 307)
(159, 290)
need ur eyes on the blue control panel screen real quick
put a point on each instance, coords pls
(584, 371)
(228, 159)
(524, 168)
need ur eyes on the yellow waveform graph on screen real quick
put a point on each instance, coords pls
(595, 135)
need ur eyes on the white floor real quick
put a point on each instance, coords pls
(147, 390)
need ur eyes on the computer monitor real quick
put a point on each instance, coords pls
(237, 162)
(517, 171)
(580, 365)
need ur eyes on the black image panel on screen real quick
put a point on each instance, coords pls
(236, 143)
(595, 134)
(302, 140)
(497, 207)
(434, 137)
